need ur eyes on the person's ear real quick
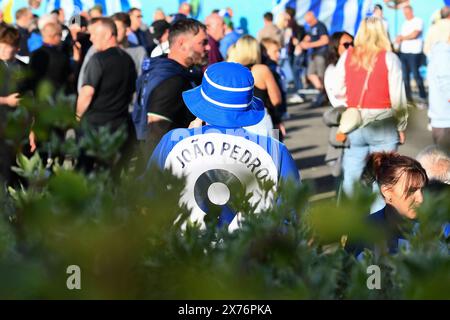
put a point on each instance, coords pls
(182, 43)
(386, 192)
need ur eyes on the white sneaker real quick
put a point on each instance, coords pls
(294, 99)
(308, 91)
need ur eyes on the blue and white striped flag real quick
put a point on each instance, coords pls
(75, 6)
(337, 15)
(71, 7)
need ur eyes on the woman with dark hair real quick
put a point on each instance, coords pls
(400, 180)
(339, 43)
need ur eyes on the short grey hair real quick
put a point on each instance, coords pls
(436, 163)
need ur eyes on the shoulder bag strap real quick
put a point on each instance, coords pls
(366, 85)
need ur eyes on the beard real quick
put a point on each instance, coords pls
(197, 59)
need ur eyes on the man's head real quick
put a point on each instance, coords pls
(188, 42)
(61, 16)
(310, 18)
(436, 163)
(159, 29)
(35, 4)
(136, 18)
(268, 17)
(408, 12)
(185, 8)
(291, 12)
(272, 48)
(159, 15)
(123, 22)
(215, 26)
(51, 34)
(445, 12)
(229, 27)
(378, 11)
(96, 12)
(24, 18)
(46, 19)
(103, 33)
(9, 43)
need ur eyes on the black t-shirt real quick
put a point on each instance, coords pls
(318, 30)
(113, 76)
(52, 64)
(166, 100)
(298, 32)
(23, 45)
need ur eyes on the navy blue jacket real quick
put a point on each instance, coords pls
(155, 71)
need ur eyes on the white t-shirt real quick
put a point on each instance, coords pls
(408, 27)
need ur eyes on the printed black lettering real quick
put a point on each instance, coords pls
(183, 154)
(254, 164)
(181, 161)
(225, 147)
(245, 158)
(197, 151)
(235, 151)
(262, 174)
(209, 145)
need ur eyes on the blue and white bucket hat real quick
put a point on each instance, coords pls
(225, 97)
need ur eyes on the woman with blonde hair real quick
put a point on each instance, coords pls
(370, 76)
(247, 51)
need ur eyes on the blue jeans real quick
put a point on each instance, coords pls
(297, 70)
(377, 136)
(411, 63)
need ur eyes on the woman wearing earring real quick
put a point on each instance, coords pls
(400, 180)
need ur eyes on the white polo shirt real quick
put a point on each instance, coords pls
(408, 27)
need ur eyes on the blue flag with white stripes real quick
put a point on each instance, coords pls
(109, 6)
(337, 15)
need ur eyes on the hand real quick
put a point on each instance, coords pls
(304, 45)
(399, 39)
(298, 50)
(401, 137)
(32, 138)
(197, 123)
(282, 129)
(12, 100)
(77, 51)
(341, 137)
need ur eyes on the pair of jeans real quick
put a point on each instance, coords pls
(377, 136)
(411, 63)
(298, 63)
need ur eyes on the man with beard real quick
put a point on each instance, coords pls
(159, 107)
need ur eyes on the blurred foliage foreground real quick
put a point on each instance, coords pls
(127, 238)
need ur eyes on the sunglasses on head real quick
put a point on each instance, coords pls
(347, 45)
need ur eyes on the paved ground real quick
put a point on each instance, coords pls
(307, 140)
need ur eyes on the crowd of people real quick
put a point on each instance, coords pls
(228, 93)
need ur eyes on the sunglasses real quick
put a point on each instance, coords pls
(347, 45)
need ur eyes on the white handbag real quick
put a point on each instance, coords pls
(351, 118)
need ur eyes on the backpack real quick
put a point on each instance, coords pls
(154, 72)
